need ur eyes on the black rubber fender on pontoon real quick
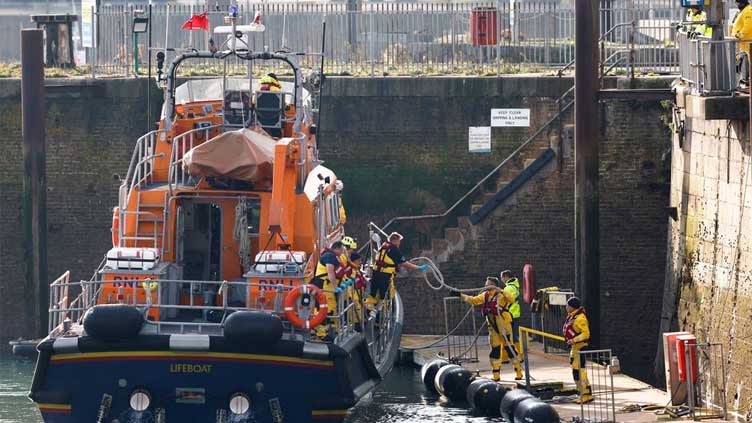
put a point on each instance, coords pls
(452, 381)
(428, 373)
(113, 322)
(484, 396)
(533, 410)
(510, 401)
(253, 327)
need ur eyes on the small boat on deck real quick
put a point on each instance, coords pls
(202, 309)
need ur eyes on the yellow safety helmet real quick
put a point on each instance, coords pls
(349, 242)
(271, 79)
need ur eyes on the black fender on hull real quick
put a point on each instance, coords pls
(253, 327)
(113, 322)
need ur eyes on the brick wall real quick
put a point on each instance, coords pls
(421, 168)
(400, 144)
(91, 129)
(709, 270)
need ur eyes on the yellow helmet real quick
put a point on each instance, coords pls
(349, 242)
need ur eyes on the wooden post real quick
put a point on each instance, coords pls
(33, 120)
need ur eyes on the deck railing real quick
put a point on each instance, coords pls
(709, 67)
(161, 296)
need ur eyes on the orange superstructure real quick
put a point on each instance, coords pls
(209, 227)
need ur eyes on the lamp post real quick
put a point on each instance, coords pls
(140, 25)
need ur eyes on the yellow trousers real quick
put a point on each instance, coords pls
(579, 372)
(497, 328)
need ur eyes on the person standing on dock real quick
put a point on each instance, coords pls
(495, 303)
(512, 290)
(389, 259)
(577, 334)
(741, 28)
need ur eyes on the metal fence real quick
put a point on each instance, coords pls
(417, 38)
(707, 391)
(552, 317)
(461, 331)
(597, 367)
(707, 66)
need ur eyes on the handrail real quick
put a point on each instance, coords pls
(490, 174)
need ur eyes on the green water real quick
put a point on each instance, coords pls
(400, 398)
(15, 378)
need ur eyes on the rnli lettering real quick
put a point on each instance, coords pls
(271, 284)
(190, 368)
(126, 281)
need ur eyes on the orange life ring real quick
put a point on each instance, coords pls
(115, 226)
(528, 283)
(290, 308)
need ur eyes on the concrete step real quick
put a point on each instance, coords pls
(455, 238)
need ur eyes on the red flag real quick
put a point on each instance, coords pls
(197, 22)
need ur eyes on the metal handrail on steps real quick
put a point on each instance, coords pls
(493, 172)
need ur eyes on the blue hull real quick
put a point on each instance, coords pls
(187, 386)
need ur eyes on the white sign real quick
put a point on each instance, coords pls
(479, 139)
(87, 23)
(510, 117)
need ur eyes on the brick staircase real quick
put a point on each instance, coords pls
(454, 238)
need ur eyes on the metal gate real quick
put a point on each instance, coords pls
(461, 331)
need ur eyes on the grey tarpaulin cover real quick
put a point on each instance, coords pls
(245, 155)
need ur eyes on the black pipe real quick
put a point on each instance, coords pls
(148, 83)
(33, 123)
(587, 142)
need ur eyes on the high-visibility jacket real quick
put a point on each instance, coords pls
(384, 263)
(512, 288)
(267, 83)
(577, 328)
(321, 272)
(741, 28)
(703, 29)
(494, 307)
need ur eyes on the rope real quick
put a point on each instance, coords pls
(433, 270)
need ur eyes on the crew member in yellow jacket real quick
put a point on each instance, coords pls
(495, 304)
(741, 28)
(577, 334)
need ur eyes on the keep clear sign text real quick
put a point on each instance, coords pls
(510, 117)
(479, 139)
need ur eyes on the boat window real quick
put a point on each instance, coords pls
(253, 215)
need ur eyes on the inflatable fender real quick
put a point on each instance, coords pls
(484, 396)
(113, 322)
(528, 283)
(533, 410)
(428, 374)
(253, 328)
(510, 401)
(452, 382)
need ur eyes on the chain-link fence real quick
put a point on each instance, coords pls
(417, 38)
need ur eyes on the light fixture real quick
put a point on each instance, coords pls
(140, 400)
(239, 404)
(140, 24)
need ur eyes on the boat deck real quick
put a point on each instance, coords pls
(547, 368)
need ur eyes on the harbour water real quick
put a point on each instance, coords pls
(400, 398)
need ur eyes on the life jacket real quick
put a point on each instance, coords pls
(343, 269)
(384, 263)
(490, 306)
(321, 272)
(569, 332)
